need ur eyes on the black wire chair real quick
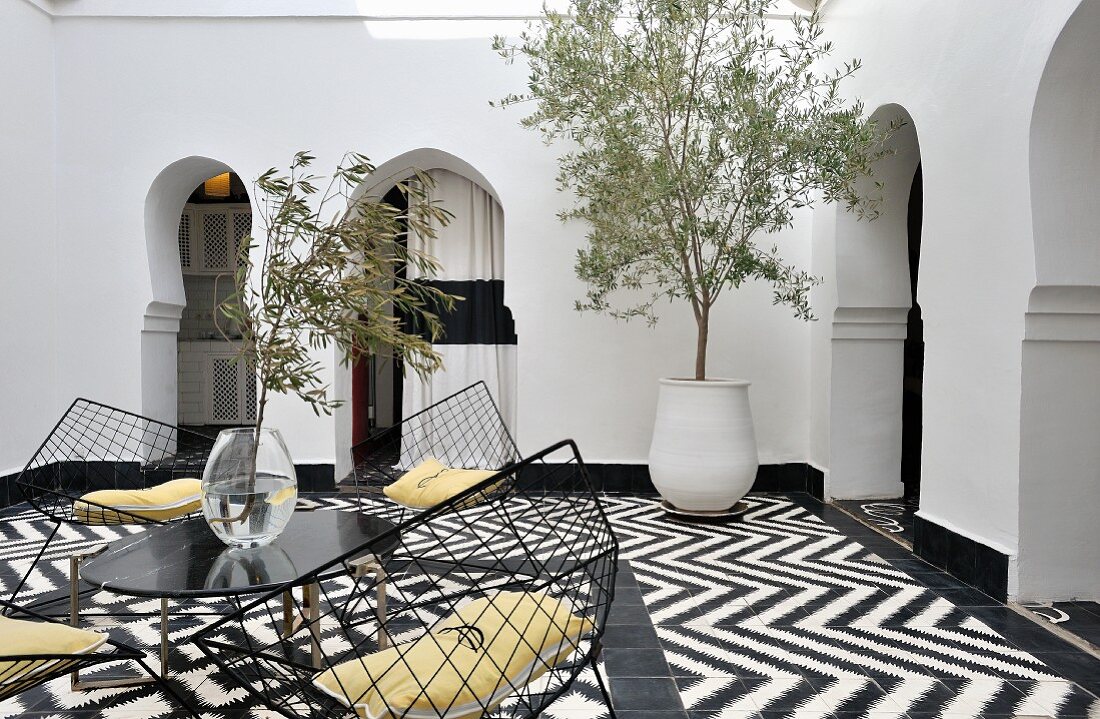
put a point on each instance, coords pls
(463, 430)
(20, 673)
(95, 447)
(449, 574)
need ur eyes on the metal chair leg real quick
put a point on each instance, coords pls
(601, 682)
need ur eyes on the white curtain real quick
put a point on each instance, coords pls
(480, 344)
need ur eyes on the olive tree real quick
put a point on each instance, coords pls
(691, 129)
(328, 270)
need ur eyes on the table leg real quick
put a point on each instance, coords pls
(359, 568)
(164, 637)
(74, 619)
(380, 610)
(74, 591)
(311, 600)
(289, 625)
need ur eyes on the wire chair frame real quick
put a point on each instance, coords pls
(16, 679)
(465, 429)
(95, 446)
(546, 537)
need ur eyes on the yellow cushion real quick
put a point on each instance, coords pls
(166, 501)
(431, 482)
(20, 637)
(475, 658)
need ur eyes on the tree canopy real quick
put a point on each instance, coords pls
(690, 130)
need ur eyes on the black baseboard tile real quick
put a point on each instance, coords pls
(815, 483)
(970, 561)
(9, 493)
(606, 477)
(316, 477)
(621, 478)
(311, 478)
(790, 477)
(635, 479)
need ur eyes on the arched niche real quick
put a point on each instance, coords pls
(163, 204)
(1059, 536)
(424, 158)
(1065, 156)
(869, 329)
(376, 186)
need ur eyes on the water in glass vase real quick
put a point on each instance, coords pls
(259, 511)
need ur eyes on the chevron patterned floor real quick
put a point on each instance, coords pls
(798, 611)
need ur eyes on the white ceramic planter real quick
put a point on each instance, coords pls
(703, 457)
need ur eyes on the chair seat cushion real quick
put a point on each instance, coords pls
(467, 664)
(173, 499)
(21, 637)
(431, 482)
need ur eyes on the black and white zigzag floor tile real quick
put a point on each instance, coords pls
(779, 615)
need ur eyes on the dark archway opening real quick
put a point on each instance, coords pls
(913, 382)
(377, 381)
(214, 390)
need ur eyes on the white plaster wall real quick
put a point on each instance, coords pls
(1059, 482)
(868, 326)
(824, 301)
(371, 86)
(967, 73)
(1065, 156)
(130, 102)
(1060, 458)
(29, 338)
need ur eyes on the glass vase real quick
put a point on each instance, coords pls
(249, 489)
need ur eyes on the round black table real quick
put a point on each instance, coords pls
(184, 560)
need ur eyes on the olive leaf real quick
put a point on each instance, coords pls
(333, 268)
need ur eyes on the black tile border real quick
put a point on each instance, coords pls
(634, 478)
(311, 478)
(9, 493)
(607, 477)
(316, 477)
(970, 561)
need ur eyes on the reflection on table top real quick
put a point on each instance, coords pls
(185, 559)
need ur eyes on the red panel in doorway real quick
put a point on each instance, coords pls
(360, 400)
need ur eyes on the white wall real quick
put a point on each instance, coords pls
(29, 297)
(1060, 457)
(1060, 461)
(967, 73)
(136, 94)
(823, 299)
(374, 89)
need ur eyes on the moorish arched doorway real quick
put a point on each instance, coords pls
(480, 342)
(875, 293)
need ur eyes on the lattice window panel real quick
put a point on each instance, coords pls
(224, 390)
(242, 226)
(248, 376)
(184, 236)
(215, 245)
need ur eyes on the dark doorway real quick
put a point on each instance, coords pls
(913, 382)
(377, 382)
